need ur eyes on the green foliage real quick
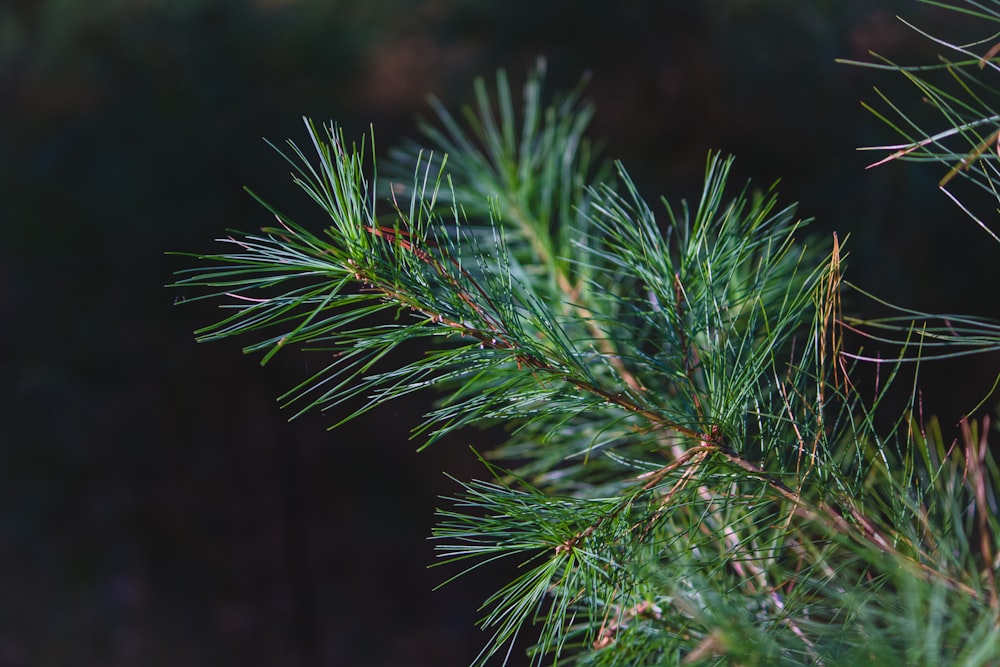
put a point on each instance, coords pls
(690, 476)
(955, 123)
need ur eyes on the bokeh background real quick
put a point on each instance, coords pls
(156, 507)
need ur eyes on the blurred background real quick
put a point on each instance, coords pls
(156, 507)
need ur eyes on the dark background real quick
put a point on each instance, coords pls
(156, 508)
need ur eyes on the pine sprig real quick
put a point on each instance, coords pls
(965, 100)
(695, 477)
(962, 95)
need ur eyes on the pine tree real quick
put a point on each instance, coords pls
(689, 474)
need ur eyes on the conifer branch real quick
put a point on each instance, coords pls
(695, 476)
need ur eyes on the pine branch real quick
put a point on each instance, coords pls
(696, 474)
(965, 100)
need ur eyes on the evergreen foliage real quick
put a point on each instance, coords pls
(690, 475)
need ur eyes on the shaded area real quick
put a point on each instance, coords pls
(155, 506)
